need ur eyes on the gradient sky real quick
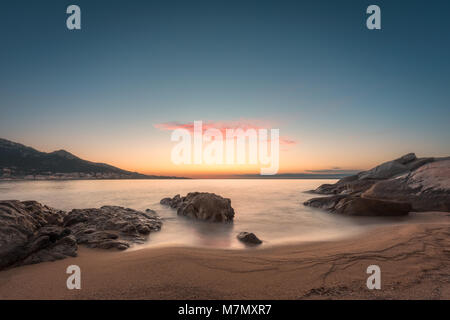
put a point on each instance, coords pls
(349, 97)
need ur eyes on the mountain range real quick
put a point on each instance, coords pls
(18, 161)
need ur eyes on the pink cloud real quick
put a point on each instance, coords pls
(222, 126)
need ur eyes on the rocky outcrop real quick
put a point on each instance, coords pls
(111, 226)
(325, 203)
(249, 238)
(427, 188)
(423, 183)
(348, 185)
(357, 206)
(203, 206)
(31, 232)
(357, 184)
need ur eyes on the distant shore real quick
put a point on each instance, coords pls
(90, 178)
(274, 177)
(413, 258)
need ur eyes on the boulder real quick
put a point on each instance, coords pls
(248, 238)
(357, 206)
(31, 232)
(361, 182)
(423, 183)
(203, 206)
(46, 250)
(427, 188)
(111, 226)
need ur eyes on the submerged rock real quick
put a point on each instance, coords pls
(248, 238)
(203, 206)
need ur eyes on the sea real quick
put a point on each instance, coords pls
(272, 209)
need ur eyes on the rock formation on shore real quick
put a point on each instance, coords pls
(111, 226)
(420, 184)
(427, 188)
(357, 206)
(203, 206)
(31, 232)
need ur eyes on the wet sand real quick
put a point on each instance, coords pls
(414, 261)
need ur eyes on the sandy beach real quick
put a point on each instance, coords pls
(414, 261)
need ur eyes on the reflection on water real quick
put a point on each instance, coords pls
(272, 209)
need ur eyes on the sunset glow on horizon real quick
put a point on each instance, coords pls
(342, 97)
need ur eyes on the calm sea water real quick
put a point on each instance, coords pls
(272, 209)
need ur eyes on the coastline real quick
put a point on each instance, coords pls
(414, 261)
(90, 179)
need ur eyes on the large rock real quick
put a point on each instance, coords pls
(31, 233)
(349, 186)
(111, 226)
(359, 183)
(423, 183)
(202, 205)
(427, 188)
(357, 206)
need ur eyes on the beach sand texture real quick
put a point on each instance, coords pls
(414, 261)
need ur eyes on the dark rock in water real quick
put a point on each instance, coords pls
(424, 183)
(31, 232)
(248, 238)
(203, 206)
(174, 202)
(357, 206)
(427, 188)
(111, 226)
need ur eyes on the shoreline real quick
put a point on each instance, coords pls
(414, 260)
(89, 179)
(178, 178)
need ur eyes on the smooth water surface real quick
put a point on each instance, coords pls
(270, 208)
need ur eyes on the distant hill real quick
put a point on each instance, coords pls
(21, 162)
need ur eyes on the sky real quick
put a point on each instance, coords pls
(343, 97)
